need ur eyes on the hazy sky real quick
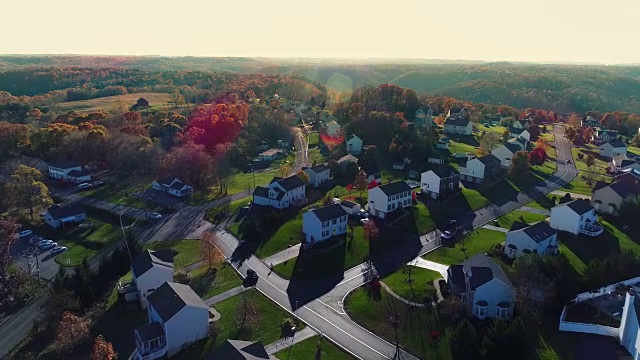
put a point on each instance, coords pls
(542, 30)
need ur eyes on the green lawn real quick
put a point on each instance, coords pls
(578, 265)
(579, 184)
(265, 327)
(474, 198)
(495, 129)
(314, 139)
(506, 220)
(420, 222)
(289, 233)
(227, 208)
(634, 150)
(236, 183)
(121, 192)
(307, 349)
(459, 147)
(421, 285)
(316, 156)
(544, 202)
(208, 283)
(477, 241)
(600, 166)
(188, 251)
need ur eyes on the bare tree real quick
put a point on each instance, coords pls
(210, 249)
(246, 313)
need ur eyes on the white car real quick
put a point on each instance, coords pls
(84, 186)
(446, 235)
(43, 242)
(155, 216)
(47, 246)
(24, 233)
(364, 221)
(59, 249)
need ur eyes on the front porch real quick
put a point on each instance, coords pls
(151, 342)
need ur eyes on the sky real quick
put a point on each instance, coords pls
(492, 30)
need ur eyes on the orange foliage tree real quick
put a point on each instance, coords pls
(103, 350)
(72, 330)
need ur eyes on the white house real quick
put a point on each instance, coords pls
(269, 155)
(613, 148)
(423, 118)
(620, 162)
(334, 129)
(520, 124)
(318, 175)
(607, 198)
(522, 143)
(281, 193)
(483, 286)
(69, 172)
(505, 152)
(151, 269)
(354, 144)
(350, 207)
(479, 169)
(172, 186)
(538, 238)
(576, 217)
(322, 223)
(387, 198)
(525, 135)
(628, 334)
(59, 216)
(346, 160)
(440, 182)
(177, 318)
(602, 135)
(458, 125)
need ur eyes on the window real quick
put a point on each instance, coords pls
(388, 207)
(481, 311)
(388, 198)
(334, 221)
(503, 312)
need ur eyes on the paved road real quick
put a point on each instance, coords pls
(13, 328)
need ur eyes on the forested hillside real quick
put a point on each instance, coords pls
(563, 88)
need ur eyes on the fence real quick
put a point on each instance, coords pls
(605, 290)
(586, 328)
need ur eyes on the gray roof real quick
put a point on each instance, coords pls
(240, 350)
(261, 191)
(445, 171)
(347, 203)
(319, 168)
(150, 258)
(330, 212)
(171, 297)
(348, 157)
(483, 269)
(66, 211)
(150, 331)
(617, 143)
(512, 147)
(518, 225)
(177, 185)
(457, 121)
(289, 183)
(514, 130)
(622, 188)
(395, 187)
(78, 173)
(64, 164)
(540, 231)
(488, 159)
(579, 206)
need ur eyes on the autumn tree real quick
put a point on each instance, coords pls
(284, 170)
(361, 182)
(542, 143)
(538, 156)
(9, 284)
(488, 142)
(574, 120)
(303, 176)
(189, 162)
(103, 350)
(177, 99)
(534, 131)
(210, 249)
(507, 121)
(26, 189)
(506, 135)
(247, 313)
(371, 231)
(590, 160)
(519, 164)
(72, 330)
(14, 139)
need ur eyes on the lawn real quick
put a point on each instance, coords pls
(579, 184)
(421, 285)
(506, 220)
(474, 199)
(236, 183)
(314, 139)
(419, 222)
(376, 313)
(121, 192)
(544, 202)
(290, 233)
(494, 129)
(307, 349)
(265, 327)
(188, 251)
(460, 147)
(477, 241)
(208, 283)
(316, 156)
(227, 208)
(634, 150)
(600, 165)
(109, 102)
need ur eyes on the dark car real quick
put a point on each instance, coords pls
(251, 274)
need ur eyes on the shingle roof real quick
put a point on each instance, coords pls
(150, 331)
(456, 121)
(514, 130)
(290, 183)
(518, 225)
(150, 258)
(64, 164)
(319, 168)
(330, 212)
(540, 231)
(622, 188)
(78, 173)
(599, 185)
(445, 171)
(483, 261)
(177, 185)
(395, 187)
(488, 159)
(513, 148)
(171, 297)
(65, 211)
(261, 191)
(617, 143)
(348, 157)
(347, 203)
(240, 350)
(352, 136)
(579, 206)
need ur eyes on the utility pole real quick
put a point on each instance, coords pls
(124, 238)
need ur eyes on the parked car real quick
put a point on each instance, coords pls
(24, 233)
(84, 186)
(155, 216)
(59, 249)
(364, 221)
(43, 242)
(48, 246)
(97, 183)
(446, 235)
(34, 239)
(251, 274)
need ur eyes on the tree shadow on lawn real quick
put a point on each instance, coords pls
(469, 140)
(117, 325)
(392, 249)
(591, 248)
(453, 207)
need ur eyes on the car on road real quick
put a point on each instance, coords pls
(568, 161)
(97, 183)
(251, 274)
(364, 221)
(59, 249)
(84, 186)
(155, 216)
(24, 233)
(446, 235)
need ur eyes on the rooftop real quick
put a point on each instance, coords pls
(329, 212)
(150, 258)
(395, 187)
(445, 171)
(171, 297)
(579, 206)
(540, 231)
(65, 211)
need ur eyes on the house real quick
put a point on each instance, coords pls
(346, 160)
(522, 143)
(263, 146)
(631, 177)
(68, 171)
(151, 269)
(354, 144)
(442, 145)
(401, 164)
(435, 158)
(374, 176)
(539, 238)
(483, 286)
(334, 129)
(480, 169)
(440, 182)
(323, 223)
(423, 118)
(142, 102)
(620, 162)
(390, 197)
(588, 121)
(59, 216)
(576, 217)
(514, 132)
(602, 135)
(177, 318)
(607, 198)
(520, 125)
(505, 152)
(459, 126)
(457, 113)
(318, 175)
(172, 186)
(281, 193)
(350, 207)
(269, 155)
(239, 350)
(613, 148)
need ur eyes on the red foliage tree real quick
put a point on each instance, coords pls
(216, 124)
(132, 117)
(8, 228)
(538, 156)
(372, 184)
(136, 130)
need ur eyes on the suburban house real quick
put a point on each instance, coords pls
(423, 118)
(177, 318)
(483, 286)
(514, 132)
(400, 165)
(442, 145)
(577, 217)
(457, 113)
(387, 198)
(334, 129)
(374, 176)
(588, 121)
(480, 169)
(350, 207)
(458, 125)
(520, 125)
(525, 134)
(67, 171)
(269, 155)
(323, 223)
(346, 160)
(522, 143)
(281, 193)
(601, 136)
(239, 350)
(172, 186)
(440, 182)
(607, 198)
(59, 216)
(436, 157)
(318, 175)
(620, 162)
(505, 152)
(631, 177)
(354, 144)
(613, 148)
(151, 269)
(539, 238)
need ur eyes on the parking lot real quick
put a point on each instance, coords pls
(25, 253)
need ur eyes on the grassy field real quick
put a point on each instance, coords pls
(600, 166)
(314, 139)
(506, 220)
(208, 283)
(227, 208)
(460, 147)
(579, 184)
(265, 327)
(121, 192)
(287, 234)
(421, 285)
(109, 102)
(634, 150)
(188, 251)
(494, 129)
(477, 241)
(544, 202)
(316, 156)
(307, 349)
(420, 222)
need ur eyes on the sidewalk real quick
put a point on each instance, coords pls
(430, 265)
(299, 336)
(282, 256)
(225, 295)
(495, 228)
(536, 211)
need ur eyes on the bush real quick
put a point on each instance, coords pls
(182, 277)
